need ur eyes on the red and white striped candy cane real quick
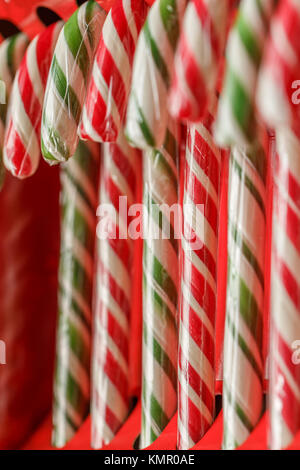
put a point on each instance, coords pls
(199, 284)
(197, 59)
(22, 136)
(106, 100)
(285, 308)
(110, 382)
(279, 79)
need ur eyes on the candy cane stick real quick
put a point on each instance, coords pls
(11, 54)
(284, 391)
(278, 86)
(106, 99)
(243, 368)
(152, 73)
(160, 274)
(79, 201)
(199, 283)
(110, 394)
(68, 81)
(22, 136)
(236, 123)
(197, 58)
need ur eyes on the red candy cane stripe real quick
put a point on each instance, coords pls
(197, 58)
(285, 326)
(198, 302)
(106, 100)
(22, 137)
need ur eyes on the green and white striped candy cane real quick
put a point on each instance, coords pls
(160, 284)
(68, 80)
(12, 51)
(152, 72)
(243, 367)
(80, 178)
(236, 123)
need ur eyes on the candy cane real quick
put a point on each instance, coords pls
(152, 73)
(198, 286)
(236, 123)
(22, 137)
(11, 54)
(243, 367)
(197, 58)
(68, 81)
(278, 87)
(79, 201)
(284, 391)
(160, 274)
(106, 99)
(110, 394)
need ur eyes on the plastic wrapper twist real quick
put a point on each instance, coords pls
(22, 136)
(106, 100)
(68, 81)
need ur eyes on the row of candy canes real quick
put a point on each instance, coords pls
(112, 298)
(148, 126)
(67, 84)
(159, 415)
(162, 27)
(237, 127)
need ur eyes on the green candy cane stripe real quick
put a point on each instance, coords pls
(79, 201)
(68, 80)
(243, 367)
(160, 284)
(12, 51)
(147, 108)
(236, 122)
